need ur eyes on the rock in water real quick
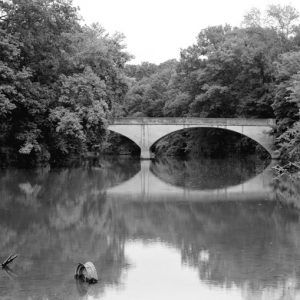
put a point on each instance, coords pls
(86, 272)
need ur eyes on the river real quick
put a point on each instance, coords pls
(168, 229)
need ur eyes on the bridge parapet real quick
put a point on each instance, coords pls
(194, 121)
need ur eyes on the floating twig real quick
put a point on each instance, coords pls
(9, 260)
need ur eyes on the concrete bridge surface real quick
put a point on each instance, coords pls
(146, 131)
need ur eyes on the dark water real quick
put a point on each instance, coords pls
(199, 229)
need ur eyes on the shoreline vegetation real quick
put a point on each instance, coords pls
(61, 82)
(286, 184)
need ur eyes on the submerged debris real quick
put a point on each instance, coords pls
(8, 260)
(86, 272)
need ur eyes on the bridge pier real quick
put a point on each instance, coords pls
(145, 154)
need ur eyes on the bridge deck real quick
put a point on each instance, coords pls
(194, 121)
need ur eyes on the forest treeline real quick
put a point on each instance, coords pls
(62, 82)
(59, 81)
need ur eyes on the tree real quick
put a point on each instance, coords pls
(10, 72)
(283, 18)
(285, 109)
(280, 18)
(253, 18)
(148, 96)
(238, 61)
(106, 56)
(288, 133)
(145, 69)
(80, 119)
(18, 99)
(177, 104)
(41, 26)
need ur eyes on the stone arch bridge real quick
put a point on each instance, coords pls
(146, 131)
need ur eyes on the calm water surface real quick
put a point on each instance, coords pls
(198, 229)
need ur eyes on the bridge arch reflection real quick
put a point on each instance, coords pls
(152, 184)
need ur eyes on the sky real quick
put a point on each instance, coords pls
(156, 30)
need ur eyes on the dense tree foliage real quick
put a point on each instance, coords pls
(286, 105)
(59, 81)
(149, 89)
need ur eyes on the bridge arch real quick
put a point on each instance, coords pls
(120, 132)
(147, 131)
(261, 140)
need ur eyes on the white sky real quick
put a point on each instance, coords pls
(156, 30)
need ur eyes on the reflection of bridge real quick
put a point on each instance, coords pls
(146, 131)
(145, 186)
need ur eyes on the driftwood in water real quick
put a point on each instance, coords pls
(9, 260)
(86, 272)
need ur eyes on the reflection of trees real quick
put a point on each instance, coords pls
(287, 189)
(57, 219)
(63, 217)
(253, 245)
(203, 173)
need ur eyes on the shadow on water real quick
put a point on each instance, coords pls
(55, 219)
(205, 173)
